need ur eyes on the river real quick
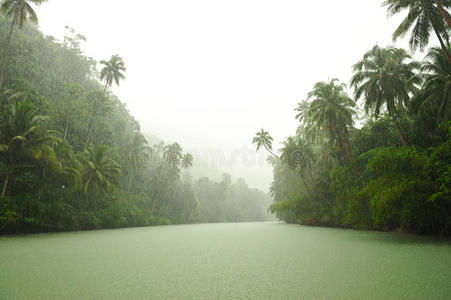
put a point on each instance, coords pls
(224, 261)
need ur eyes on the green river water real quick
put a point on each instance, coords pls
(224, 261)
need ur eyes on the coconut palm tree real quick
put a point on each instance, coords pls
(173, 154)
(137, 153)
(332, 111)
(299, 157)
(423, 17)
(385, 77)
(20, 11)
(443, 12)
(111, 72)
(187, 161)
(436, 91)
(101, 171)
(263, 139)
(23, 141)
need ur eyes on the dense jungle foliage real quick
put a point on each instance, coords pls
(71, 155)
(388, 168)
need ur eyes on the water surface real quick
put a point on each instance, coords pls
(224, 261)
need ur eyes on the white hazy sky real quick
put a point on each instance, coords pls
(210, 73)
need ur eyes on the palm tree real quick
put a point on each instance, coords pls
(299, 157)
(21, 11)
(263, 139)
(173, 154)
(187, 161)
(423, 16)
(137, 153)
(443, 12)
(436, 90)
(111, 72)
(23, 139)
(52, 167)
(101, 171)
(308, 129)
(331, 110)
(383, 77)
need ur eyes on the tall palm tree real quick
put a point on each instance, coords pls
(298, 156)
(173, 154)
(332, 111)
(423, 17)
(136, 153)
(187, 161)
(101, 171)
(23, 141)
(385, 77)
(111, 72)
(436, 91)
(20, 11)
(308, 129)
(444, 12)
(263, 139)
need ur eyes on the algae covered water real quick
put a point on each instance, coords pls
(224, 261)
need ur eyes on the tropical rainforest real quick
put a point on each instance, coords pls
(71, 155)
(372, 153)
(375, 152)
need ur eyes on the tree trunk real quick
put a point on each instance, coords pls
(392, 114)
(5, 184)
(93, 117)
(442, 44)
(41, 190)
(271, 152)
(348, 153)
(6, 48)
(346, 146)
(324, 154)
(66, 131)
(130, 185)
(443, 12)
(305, 184)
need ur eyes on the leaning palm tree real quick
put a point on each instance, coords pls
(443, 12)
(187, 161)
(111, 72)
(101, 171)
(436, 92)
(332, 111)
(20, 11)
(263, 139)
(23, 141)
(423, 17)
(385, 77)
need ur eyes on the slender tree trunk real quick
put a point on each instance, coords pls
(6, 47)
(442, 44)
(324, 154)
(93, 117)
(443, 12)
(348, 153)
(271, 152)
(5, 184)
(130, 185)
(392, 114)
(346, 146)
(41, 190)
(305, 184)
(66, 131)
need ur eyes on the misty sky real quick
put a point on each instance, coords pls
(209, 74)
